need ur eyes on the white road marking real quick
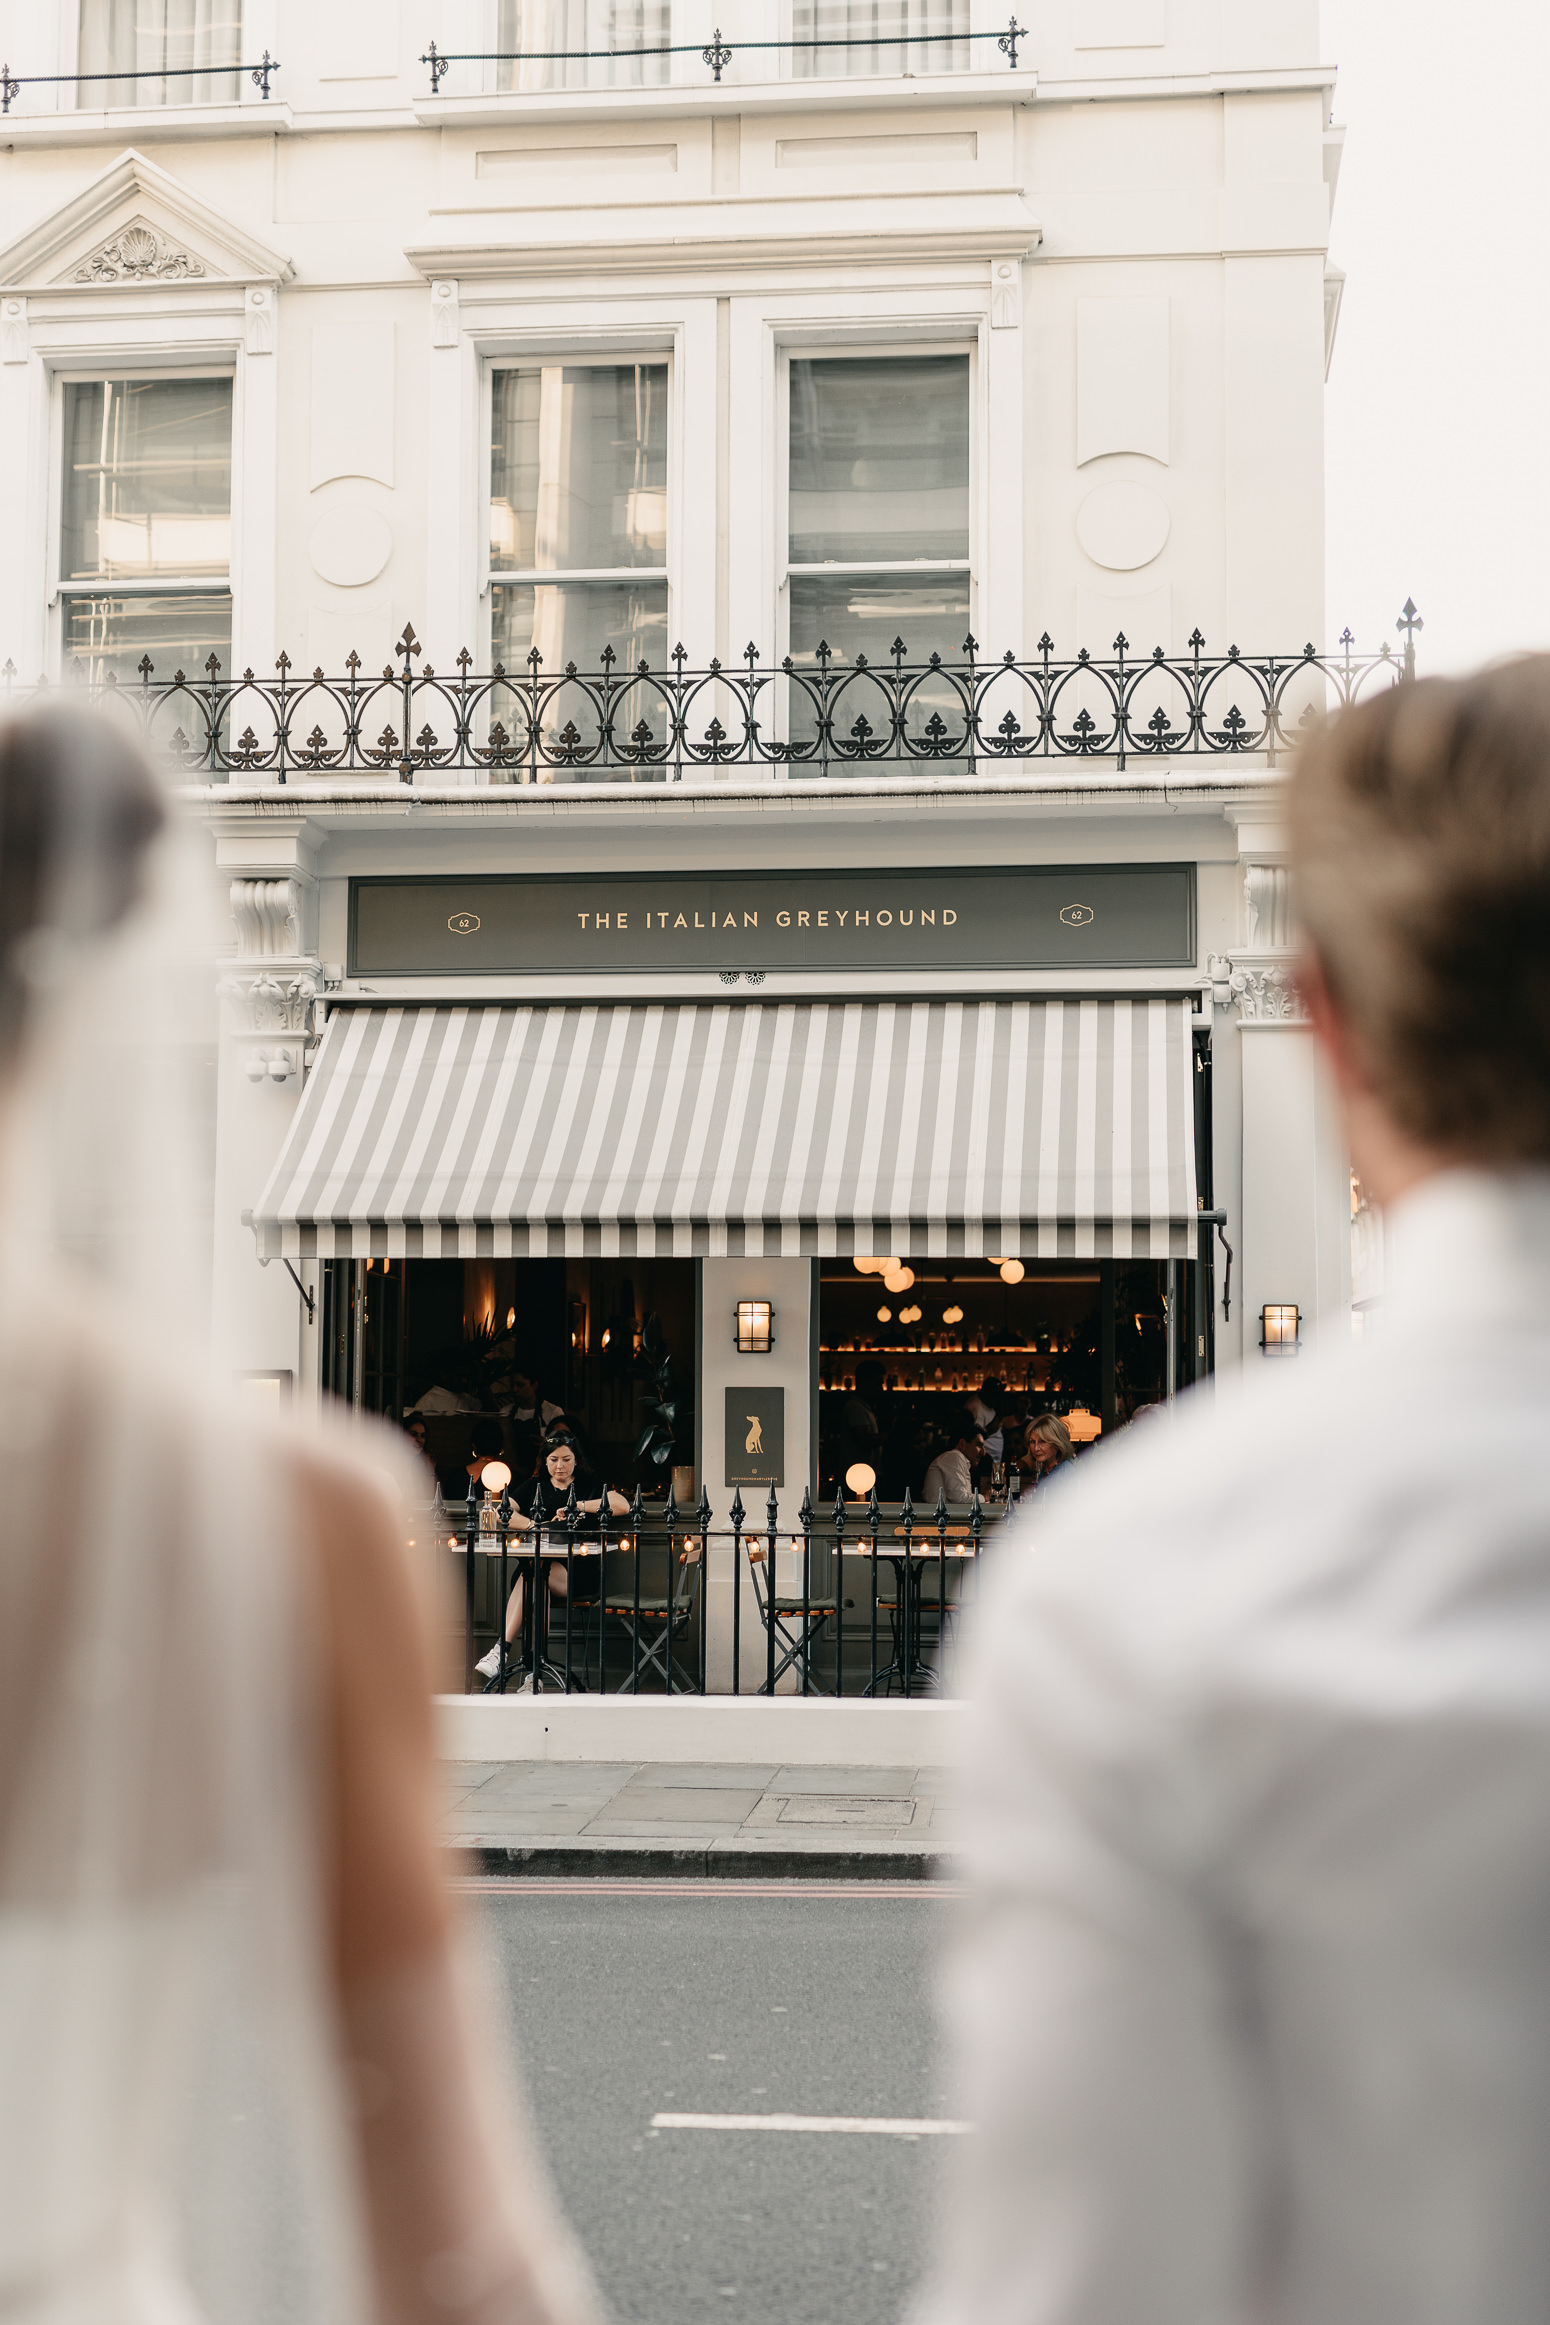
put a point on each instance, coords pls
(898, 2126)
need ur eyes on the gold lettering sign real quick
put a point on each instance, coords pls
(1076, 915)
(463, 923)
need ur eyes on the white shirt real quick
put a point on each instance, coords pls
(1252, 2000)
(949, 1474)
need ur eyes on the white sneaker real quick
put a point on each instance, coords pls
(488, 1665)
(526, 1687)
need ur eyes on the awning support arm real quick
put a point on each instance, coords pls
(309, 1297)
(1218, 1220)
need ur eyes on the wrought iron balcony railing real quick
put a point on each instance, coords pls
(718, 53)
(12, 84)
(819, 718)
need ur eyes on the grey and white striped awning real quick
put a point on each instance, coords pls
(1046, 1129)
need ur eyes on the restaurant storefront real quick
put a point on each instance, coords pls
(498, 1191)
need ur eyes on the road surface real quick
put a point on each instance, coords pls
(634, 2000)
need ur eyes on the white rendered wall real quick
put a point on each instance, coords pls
(259, 1321)
(788, 1283)
(1296, 1208)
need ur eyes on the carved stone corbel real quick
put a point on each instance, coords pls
(445, 323)
(268, 916)
(274, 985)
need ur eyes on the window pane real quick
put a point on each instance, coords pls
(111, 634)
(898, 27)
(578, 467)
(188, 49)
(879, 458)
(858, 616)
(574, 621)
(536, 30)
(147, 478)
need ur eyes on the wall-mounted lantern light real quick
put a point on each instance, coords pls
(755, 1327)
(1279, 1326)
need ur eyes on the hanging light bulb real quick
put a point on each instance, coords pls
(899, 1279)
(511, 1317)
(1012, 1271)
(885, 1315)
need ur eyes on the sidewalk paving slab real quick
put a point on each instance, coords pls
(699, 1819)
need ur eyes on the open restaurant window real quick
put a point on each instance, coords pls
(582, 44)
(878, 506)
(145, 533)
(169, 52)
(851, 37)
(578, 515)
(992, 1344)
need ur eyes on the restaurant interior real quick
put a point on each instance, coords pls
(1093, 1341)
(1089, 1341)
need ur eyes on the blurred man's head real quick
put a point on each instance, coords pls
(1420, 826)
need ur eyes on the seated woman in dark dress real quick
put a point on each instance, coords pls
(543, 1498)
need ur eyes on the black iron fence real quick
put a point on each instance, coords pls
(822, 716)
(857, 1600)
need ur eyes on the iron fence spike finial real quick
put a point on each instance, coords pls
(772, 1508)
(736, 1513)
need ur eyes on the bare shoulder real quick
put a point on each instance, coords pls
(361, 1535)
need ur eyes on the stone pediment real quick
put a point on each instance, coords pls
(136, 224)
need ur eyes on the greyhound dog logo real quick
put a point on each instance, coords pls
(754, 1441)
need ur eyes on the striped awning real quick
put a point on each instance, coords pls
(934, 1129)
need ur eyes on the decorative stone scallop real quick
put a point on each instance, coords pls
(1123, 525)
(349, 545)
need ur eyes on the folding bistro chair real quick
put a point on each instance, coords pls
(652, 1592)
(798, 1625)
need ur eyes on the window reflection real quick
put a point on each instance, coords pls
(539, 41)
(899, 36)
(187, 51)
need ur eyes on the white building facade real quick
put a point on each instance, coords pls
(804, 327)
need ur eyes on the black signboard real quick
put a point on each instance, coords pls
(756, 1437)
(1046, 916)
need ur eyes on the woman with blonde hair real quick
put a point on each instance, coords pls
(1046, 1445)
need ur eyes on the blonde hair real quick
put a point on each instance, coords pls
(1420, 829)
(1049, 1429)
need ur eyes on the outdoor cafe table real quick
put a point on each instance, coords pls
(911, 1556)
(505, 1543)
